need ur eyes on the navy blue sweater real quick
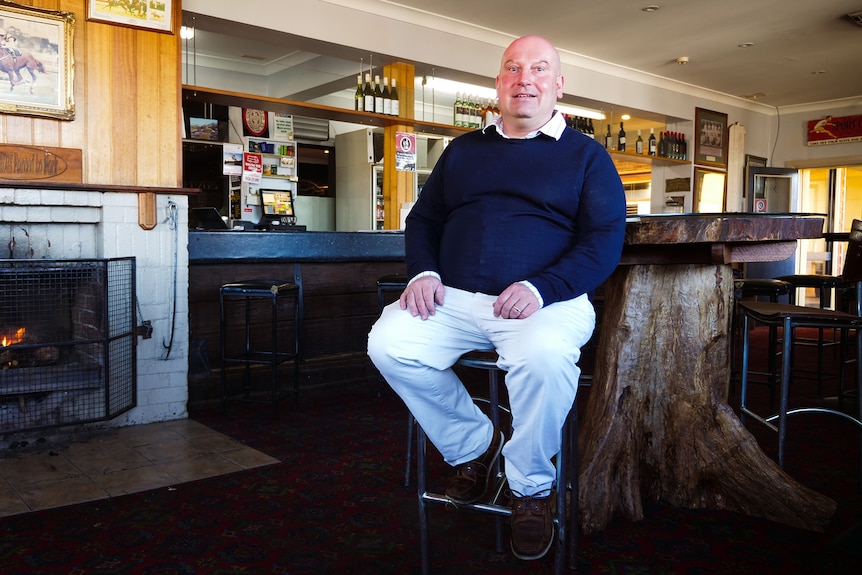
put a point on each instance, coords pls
(495, 211)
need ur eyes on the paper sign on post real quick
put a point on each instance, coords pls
(405, 151)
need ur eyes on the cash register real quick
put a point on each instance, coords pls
(278, 212)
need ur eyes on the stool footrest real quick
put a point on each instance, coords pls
(260, 357)
(484, 507)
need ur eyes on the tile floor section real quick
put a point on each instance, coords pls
(116, 462)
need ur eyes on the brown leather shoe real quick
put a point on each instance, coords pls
(532, 525)
(471, 479)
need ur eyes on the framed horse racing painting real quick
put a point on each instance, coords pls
(156, 15)
(36, 61)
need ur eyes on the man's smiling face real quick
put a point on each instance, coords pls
(528, 85)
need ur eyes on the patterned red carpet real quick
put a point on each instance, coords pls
(335, 504)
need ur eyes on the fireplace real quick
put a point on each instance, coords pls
(67, 342)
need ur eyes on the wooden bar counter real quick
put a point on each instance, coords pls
(657, 425)
(339, 276)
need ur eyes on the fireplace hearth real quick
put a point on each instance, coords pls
(67, 342)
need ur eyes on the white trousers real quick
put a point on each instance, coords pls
(539, 354)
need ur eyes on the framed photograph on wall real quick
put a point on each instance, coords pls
(37, 60)
(710, 138)
(156, 15)
(710, 191)
(751, 162)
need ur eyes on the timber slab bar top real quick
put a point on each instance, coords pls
(716, 238)
(725, 228)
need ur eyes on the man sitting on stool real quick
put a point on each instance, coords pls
(516, 225)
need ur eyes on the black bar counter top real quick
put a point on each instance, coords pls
(247, 246)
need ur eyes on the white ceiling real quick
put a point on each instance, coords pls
(803, 52)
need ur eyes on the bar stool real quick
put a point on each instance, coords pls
(262, 299)
(826, 286)
(566, 489)
(389, 283)
(772, 289)
(791, 317)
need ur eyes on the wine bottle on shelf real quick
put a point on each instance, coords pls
(662, 145)
(393, 94)
(378, 96)
(683, 148)
(621, 139)
(458, 116)
(368, 93)
(591, 131)
(639, 144)
(651, 143)
(358, 99)
(609, 139)
(387, 98)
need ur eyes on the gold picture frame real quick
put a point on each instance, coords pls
(710, 191)
(155, 15)
(38, 60)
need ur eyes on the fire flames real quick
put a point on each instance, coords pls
(13, 339)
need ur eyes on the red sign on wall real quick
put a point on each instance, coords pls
(831, 130)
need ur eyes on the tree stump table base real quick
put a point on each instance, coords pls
(657, 425)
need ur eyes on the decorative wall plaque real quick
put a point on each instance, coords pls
(33, 163)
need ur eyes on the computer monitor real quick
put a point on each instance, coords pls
(278, 212)
(209, 219)
(277, 203)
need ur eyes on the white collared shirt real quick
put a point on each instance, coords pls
(553, 127)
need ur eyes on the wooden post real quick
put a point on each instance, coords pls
(398, 186)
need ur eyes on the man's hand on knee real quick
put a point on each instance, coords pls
(422, 296)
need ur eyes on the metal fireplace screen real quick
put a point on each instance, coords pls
(67, 341)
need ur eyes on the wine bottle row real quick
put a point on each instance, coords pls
(673, 145)
(472, 112)
(377, 98)
(668, 145)
(583, 125)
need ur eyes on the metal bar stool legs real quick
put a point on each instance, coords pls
(566, 523)
(791, 318)
(396, 283)
(253, 353)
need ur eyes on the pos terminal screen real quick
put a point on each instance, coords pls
(277, 203)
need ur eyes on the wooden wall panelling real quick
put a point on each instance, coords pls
(127, 101)
(74, 134)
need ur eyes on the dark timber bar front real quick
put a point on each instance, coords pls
(339, 274)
